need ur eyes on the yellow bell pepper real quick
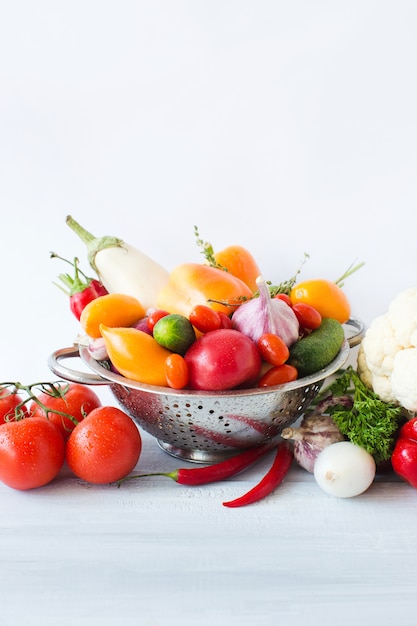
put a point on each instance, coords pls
(194, 283)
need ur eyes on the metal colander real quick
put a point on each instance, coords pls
(204, 426)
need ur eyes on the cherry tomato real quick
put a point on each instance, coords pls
(325, 296)
(176, 371)
(76, 400)
(278, 375)
(284, 297)
(32, 452)
(223, 359)
(273, 349)
(225, 320)
(308, 317)
(204, 318)
(104, 447)
(9, 400)
(154, 316)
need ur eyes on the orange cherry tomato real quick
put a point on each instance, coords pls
(325, 296)
(113, 309)
(278, 375)
(176, 371)
(272, 349)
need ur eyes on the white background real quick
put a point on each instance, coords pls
(287, 127)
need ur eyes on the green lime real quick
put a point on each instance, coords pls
(174, 332)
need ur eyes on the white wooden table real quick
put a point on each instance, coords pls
(154, 553)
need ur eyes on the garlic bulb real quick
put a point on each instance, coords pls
(266, 315)
(313, 435)
(97, 349)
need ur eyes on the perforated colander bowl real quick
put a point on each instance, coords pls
(203, 426)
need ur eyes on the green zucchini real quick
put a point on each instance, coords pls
(318, 349)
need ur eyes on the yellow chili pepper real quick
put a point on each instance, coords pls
(136, 355)
(112, 309)
(193, 283)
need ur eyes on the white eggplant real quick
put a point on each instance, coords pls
(122, 268)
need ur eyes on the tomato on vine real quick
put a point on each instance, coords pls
(32, 452)
(10, 403)
(64, 404)
(104, 447)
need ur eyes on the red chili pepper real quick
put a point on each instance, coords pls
(271, 480)
(404, 456)
(81, 289)
(212, 473)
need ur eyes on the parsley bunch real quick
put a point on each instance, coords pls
(369, 422)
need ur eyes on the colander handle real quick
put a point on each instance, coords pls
(57, 367)
(355, 331)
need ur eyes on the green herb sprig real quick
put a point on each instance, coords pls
(370, 422)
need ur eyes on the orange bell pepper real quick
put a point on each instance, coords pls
(239, 262)
(112, 309)
(136, 355)
(193, 283)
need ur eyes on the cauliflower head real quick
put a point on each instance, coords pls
(387, 358)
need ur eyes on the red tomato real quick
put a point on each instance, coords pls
(104, 447)
(284, 297)
(225, 320)
(9, 400)
(308, 317)
(273, 349)
(154, 316)
(222, 359)
(32, 452)
(204, 318)
(74, 399)
(278, 375)
(176, 371)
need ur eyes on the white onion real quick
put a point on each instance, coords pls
(344, 469)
